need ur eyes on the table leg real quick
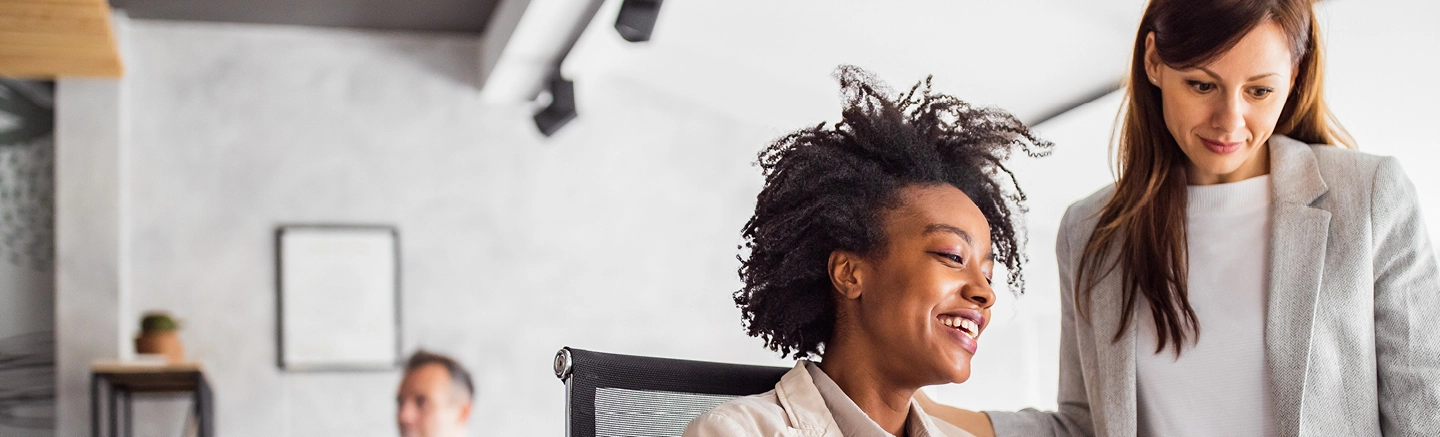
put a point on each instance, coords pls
(204, 407)
(113, 406)
(129, 415)
(95, 388)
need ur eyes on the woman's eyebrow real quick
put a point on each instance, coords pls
(1252, 78)
(940, 227)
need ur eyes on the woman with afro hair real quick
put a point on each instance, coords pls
(870, 259)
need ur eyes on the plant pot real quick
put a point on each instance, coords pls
(166, 343)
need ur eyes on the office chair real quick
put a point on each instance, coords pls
(613, 395)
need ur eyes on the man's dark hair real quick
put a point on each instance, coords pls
(827, 187)
(458, 376)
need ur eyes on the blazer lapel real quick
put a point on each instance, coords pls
(1297, 259)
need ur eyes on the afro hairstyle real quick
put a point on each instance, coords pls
(827, 189)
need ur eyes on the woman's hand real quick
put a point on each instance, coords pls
(974, 422)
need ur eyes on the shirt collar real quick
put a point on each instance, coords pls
(853, 422)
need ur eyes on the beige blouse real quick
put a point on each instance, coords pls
(807, 403)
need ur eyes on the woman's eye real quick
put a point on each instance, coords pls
(1201, 86)
(952, 257)
(1261, 92)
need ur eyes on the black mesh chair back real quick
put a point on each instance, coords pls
(612, 395)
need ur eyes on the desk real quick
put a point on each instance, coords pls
(118, 381)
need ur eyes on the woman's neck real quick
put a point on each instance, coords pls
(859, 375)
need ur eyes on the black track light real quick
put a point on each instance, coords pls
(562, 106)
(637, 19)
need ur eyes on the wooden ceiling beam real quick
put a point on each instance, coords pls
(27, 17)
(45, 39)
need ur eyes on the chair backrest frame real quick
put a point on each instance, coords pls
(583, 372)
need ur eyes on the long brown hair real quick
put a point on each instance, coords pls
(1143, 223)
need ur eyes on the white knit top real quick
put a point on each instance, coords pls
(1217, 386)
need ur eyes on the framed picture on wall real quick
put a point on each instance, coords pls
(339, 297)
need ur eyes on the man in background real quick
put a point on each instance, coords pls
(434, 398)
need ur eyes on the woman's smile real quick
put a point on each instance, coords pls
(964, 327)
(1220, 147)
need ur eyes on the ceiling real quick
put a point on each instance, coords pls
(1034, 57)
(415, 15)
(771, 62)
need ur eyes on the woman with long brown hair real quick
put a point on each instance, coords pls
(1248, 273)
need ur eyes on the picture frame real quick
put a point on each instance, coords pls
(337, 297)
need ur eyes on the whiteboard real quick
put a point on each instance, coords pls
(339, 297)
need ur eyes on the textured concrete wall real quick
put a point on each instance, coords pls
(90, 140)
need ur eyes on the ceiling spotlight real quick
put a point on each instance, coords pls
(637, 19)
(562, 105)
(635, 23)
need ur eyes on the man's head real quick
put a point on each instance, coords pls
(434, 398)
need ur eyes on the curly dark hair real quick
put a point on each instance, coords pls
(827, 187)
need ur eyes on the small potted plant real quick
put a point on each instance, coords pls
(159, 335)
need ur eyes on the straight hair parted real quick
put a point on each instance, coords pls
(1141, 229)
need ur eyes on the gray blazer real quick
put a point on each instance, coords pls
(1352, 324)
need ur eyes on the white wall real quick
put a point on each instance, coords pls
(90, 231)
(618, 234)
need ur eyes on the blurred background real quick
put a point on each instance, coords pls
(149, 149)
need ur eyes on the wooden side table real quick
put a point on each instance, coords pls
(118, 381)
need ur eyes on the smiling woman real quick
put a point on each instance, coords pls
(873, 246)
(1244, 275)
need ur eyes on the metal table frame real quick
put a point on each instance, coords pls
(119, 387)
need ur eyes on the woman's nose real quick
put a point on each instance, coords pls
(980, 292)
(1229, 116)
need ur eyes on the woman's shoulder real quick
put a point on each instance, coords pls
(1352, 176)
(1339, 164)
(1082, 214)
(1091, 205)
(1342, 167)
(759, 414)
(1355, 186)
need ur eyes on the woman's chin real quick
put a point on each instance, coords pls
(1209, 165)
(960, 376)
(957, 371)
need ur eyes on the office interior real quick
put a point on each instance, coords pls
(544, 181)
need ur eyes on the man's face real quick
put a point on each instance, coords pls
(430, 405)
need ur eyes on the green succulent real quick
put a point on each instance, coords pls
(157, 321)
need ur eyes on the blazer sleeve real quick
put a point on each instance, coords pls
(1407, 307)
(1073, 416)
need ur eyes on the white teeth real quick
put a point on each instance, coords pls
(969, 327)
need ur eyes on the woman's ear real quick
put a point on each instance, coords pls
(1152, 60)
(845, 273)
